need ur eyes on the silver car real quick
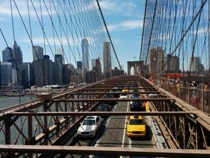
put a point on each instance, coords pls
(89, 126)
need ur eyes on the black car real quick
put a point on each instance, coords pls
(115, 90)
(136, 105)
(103, 107)
(111, 102)
(136, 95)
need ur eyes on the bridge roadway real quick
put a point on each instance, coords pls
(53, 121)
(113, 134)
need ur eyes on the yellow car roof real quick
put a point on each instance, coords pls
(125, 90)
(135, 117)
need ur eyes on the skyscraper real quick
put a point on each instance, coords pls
(79, 64)
(37, 53)
(26, 76)
(60, 51)
(194, 64)
(38, 72)
(93, 62)
(85, 55)
(48, 71)
(7, 54)
(172, 64)
(6, 73)
(57, 69)
(17, 55)
(107, 60)
(38, 65)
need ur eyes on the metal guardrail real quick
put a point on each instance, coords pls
(157, 133)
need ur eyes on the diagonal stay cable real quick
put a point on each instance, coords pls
(142, 37)
(108, 34)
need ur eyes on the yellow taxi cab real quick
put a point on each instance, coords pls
(136, 127)
(125, 90)
(124, 93)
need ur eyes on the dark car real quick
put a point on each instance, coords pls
(135, 90)
(111, 102)
(135, 95)
(103, 107)
(115, 90)
(136, 105)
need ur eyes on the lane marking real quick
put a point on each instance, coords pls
(129, 143)
(124, 131)
(106, 124)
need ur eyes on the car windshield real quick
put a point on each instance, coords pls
(89, 122)
(136, 122)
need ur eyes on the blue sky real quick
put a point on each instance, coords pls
(124, 20)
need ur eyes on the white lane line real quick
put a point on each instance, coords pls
(124, 132)
(130, 143)
(129, 140)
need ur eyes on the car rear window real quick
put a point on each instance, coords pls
(136, 122)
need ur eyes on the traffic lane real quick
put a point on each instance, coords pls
(84, 141)
(115, 133)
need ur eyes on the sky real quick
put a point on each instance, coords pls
(125, 21)
(123, 18)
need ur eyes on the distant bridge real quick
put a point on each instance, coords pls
(175, 39)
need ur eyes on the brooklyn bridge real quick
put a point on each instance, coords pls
(165, 90)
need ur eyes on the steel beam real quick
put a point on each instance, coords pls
(88, 93)
(117, 151)
(111, 99)
(87, 113)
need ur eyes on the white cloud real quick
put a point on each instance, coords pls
(51, 40)
(5, 8)
(118, 7)
(122, 26)
(201, 31)
(126, 25)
